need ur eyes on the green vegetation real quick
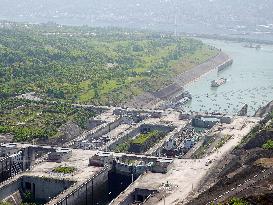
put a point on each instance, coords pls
(264, 126)
(123, 147)
(91, 65)
(201, 151)
(65, 65)
(143, 138)
(4, 203)
(268, 144)
(64, 170)
(140, 140)
(237, 201)
(234, 201)
(28, 120)
(222, 141)
(27, 197)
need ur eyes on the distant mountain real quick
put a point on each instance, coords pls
(242, 17)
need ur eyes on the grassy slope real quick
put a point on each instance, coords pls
(81, 64)
(74, 64)
(29, 120)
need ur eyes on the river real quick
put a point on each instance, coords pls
(249, 81)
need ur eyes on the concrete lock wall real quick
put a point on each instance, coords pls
(5, 169)
(128, 200)
(124, 138)
(162, 128)
(104, 130)
(84, 194)
(137, 131)
(91, 124)
(139, 195)
(43, 189)
(9, 189)
(12, 165)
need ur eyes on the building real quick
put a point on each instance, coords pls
(84, 144)
(101, 159)
(162, 165)
(59, 155)
(8, 149)
(185, 116)
(189, 143)
(205, 122)
(226, 119)
(170, 144)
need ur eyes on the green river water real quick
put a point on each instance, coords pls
(249, 81)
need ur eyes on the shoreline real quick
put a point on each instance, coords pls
(222, 60)
(153, 100)
(226, 64)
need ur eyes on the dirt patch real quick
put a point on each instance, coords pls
(265, 162)
(7, 138)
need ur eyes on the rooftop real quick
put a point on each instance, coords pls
(9, 145)
(212, 119)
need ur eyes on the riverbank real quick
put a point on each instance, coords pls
(249, 81)
(198, 71)
(153, 100)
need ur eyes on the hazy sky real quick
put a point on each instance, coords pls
(187, 15)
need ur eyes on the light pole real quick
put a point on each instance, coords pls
(109, 196)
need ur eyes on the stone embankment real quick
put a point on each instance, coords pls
(151, 100)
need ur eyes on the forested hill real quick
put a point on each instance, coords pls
(90, 65)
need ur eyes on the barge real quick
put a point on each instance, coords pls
(219, 82)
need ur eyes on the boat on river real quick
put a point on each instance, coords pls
(218, 82)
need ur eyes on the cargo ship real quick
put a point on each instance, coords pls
(217, 83)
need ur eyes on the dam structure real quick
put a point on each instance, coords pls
(97, 174)
(110, 163)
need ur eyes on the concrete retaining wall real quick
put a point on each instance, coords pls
(125, 138)
(9, 189)
(105, 129)
(43, 189)
(91, 124)
(84, 194)
(137, 130)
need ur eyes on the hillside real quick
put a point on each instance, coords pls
(89, 65)
(244, 176)
(46, 68)
(25, 120)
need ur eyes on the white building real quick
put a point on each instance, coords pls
(8, 149)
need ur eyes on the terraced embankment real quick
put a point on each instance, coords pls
(152, 100)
